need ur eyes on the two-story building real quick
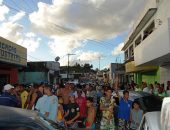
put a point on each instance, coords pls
(12, 57)
(147, 48)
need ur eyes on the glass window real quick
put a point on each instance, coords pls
(149, 30)
(131, 51)
(138, 41)
(126, 55)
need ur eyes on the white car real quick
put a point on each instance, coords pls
(159, 120)
(150, 121)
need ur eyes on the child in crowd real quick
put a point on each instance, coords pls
(136, 116)
(72, 113)
(90, 121)
(60, 113)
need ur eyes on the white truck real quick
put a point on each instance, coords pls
(159, 120)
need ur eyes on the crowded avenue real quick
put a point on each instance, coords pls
(84, 65)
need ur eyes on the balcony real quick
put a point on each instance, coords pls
(155, 49)
(142, 20)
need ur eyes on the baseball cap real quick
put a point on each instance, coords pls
(8, 87)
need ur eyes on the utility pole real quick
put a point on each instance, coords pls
(99, 63)
(68, 65)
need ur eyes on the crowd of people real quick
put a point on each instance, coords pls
(81, 106)
(156, 89)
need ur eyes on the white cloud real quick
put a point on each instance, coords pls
(117, 49)
(13, 31)
(30, 34)
(70, 21)
(10, 29)
(17, 17)
(83, 18)
(89, 56)
(62, 46)
(80, 57)
(3, 12)
(31, 43)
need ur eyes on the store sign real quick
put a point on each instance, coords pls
(12, 53)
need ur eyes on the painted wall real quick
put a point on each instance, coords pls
(148, 77)
(12, 73)
(32, 77)
(165, 74)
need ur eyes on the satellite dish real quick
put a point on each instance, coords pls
(57, 58)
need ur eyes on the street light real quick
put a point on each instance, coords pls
(68, 65)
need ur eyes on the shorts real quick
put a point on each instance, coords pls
(107, 124)
(65, 107)
(92, 127)
(123, 124)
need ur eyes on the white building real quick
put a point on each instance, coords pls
(147, 48)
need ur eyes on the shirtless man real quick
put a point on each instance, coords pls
(91, 114)
(65, 95)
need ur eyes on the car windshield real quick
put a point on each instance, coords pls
(152, 102)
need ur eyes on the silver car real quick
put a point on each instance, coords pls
(19, 119)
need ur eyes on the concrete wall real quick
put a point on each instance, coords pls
(161, 16)
(32, 77)
(148, 77)
(165, 74)
(156, 45)
(163, 11)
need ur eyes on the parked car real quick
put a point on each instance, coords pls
(151, 121)
(158, 120)
(19, 119)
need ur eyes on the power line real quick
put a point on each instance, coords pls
(65, 30)
(27, 3)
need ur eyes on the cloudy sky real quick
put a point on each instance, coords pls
(90, 29)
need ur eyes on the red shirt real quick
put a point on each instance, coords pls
(81, 101)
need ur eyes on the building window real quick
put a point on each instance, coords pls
(149, 30)
(126, 55)
(131, 51)
(138, 41)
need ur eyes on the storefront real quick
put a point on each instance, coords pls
(140, 74)
(12, 56)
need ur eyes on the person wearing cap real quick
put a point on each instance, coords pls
(7, 99)
(51, 103)
(73, 112)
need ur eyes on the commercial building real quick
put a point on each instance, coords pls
(12, 57)
(37, 72)
(147, 48)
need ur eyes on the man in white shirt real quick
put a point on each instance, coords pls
(146, 88)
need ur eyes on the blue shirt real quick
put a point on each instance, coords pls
(124, 109)
(7, 99)
(41, 104)
(51, 106)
